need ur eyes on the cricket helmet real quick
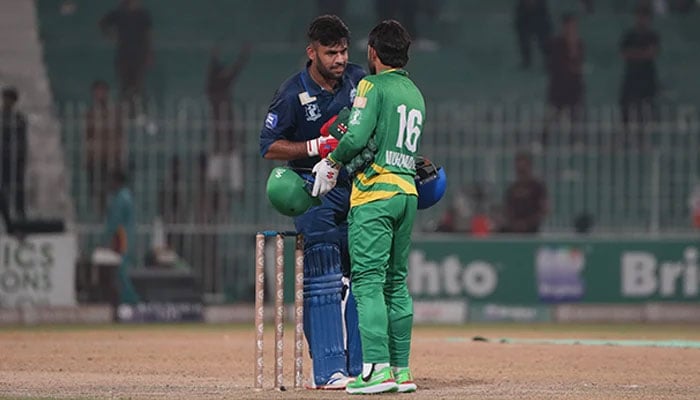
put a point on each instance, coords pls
(431, 182)
(288, 192)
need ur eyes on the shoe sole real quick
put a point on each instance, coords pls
(329, 388)
(332, 387)
(407, 387)
(338, 386)
(383, 387)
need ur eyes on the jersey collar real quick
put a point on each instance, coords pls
(394, 70)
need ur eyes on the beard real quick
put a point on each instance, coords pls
(327, 73)
(372, 68)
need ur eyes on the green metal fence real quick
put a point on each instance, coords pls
(637, 183)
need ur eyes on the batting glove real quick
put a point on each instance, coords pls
(326, 172)
(321, 146)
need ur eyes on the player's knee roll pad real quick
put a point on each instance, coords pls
(323, 322)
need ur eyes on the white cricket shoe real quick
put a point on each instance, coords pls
(337, 381)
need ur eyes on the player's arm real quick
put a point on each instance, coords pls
(279, 125)
(285, 150)
(363, 121)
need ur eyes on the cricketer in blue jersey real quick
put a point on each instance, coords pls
(300, 107)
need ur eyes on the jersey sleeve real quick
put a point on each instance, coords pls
(279, 122)
(363, 121)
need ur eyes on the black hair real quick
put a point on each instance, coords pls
(328, 30)
(99, 83)
(391, 42)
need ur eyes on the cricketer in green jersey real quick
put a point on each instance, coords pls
(390, 109)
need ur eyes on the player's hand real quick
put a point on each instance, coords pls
(321, 146)
(337, 125)
(326, 172)
(327, 125)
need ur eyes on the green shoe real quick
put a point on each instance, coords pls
(378, 382)
(404, 379)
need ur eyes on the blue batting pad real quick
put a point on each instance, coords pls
(354, 345)
(323, 324)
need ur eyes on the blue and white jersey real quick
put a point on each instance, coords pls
(300, 107)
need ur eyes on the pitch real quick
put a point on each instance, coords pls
(216, 362)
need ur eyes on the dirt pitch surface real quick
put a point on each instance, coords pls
(216, 362)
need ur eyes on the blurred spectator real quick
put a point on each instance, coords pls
(104, 143)
(130, 26)
(639, 48)
(225, 165)
(220, 81)
(456, 217)
(119, 234)
(583, 223)
(468, 212)
(14, 152)
(526, 199)
(333, 7)
(565, 67)
(532, 20)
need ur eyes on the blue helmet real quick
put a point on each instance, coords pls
(431, 182)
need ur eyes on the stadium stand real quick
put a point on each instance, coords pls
(479, 100)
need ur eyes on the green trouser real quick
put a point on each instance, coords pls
(379, 236)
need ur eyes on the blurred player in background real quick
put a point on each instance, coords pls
(119, 234)
(291, 133)
(390, 109)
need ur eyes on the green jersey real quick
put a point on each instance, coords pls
(390, 108)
